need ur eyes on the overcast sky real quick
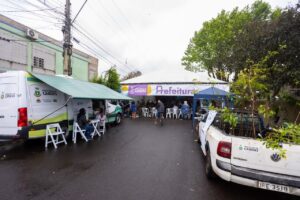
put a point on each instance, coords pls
(146, 34)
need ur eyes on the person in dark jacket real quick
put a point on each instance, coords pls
(83, 123)
(160, 107)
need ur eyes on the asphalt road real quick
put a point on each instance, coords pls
(136, 161)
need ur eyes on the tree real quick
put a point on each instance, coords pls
(110, 79)
(131, 75)
(113, 79)
(212, 46)
(279, 34)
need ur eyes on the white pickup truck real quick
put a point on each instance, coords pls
(243, 159)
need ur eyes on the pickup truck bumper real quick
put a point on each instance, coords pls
(251, 177)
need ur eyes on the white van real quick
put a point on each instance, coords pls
(27, 105)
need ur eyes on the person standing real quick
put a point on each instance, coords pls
(133, 110)
(160, 107)
(185, 108)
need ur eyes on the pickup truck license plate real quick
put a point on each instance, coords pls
(274, 187)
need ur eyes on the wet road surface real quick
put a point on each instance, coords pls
(134, 161)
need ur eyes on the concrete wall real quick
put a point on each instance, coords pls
(17, 52)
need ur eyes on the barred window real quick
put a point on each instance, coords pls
(38, 62)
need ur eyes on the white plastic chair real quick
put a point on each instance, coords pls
(145, 112)
(54, 132)
(76, 130)
(175, 113)
(169, 113)
(154, 112)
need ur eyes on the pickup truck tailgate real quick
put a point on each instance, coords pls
(252, 154)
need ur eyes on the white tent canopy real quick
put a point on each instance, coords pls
(173, 76)
(172, 82)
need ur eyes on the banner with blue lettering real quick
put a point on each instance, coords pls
(168, 89)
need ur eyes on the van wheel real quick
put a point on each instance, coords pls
(118, 119)
(210, 174)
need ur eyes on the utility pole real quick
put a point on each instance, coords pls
(67, 46)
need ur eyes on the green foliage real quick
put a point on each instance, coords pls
(266, 112)
(212, 46)
(229, 117)
(250, 85)
(99, 80)
(289, 133)
(226, 43)
(111, 79)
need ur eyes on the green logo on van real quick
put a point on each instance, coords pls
(37, 92)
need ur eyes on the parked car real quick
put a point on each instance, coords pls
(114, 112)
(237, 155)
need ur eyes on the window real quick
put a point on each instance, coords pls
(38, 62)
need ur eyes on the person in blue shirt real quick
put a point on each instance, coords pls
(185, 109)
(133, 110)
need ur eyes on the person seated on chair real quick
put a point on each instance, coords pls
(101, 115)
(83, 123)
(185, 108)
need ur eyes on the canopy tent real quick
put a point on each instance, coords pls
(170, 83)
(168, 76)
(209, 94)
(80, 89)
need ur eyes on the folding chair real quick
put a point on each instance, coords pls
(95, 124)
(54, 132)
(77, 129)
(102, 128)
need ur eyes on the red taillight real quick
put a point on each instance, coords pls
(22, 121)
(224, 149)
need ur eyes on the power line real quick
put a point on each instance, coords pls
(125, 17)
(95, 52)
(79, 12)
(99, 55)
(96, 42)
(48, 15)
(114, 20)
(28, 10)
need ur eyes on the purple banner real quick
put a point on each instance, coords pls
(137, 90)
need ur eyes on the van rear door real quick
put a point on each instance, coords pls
(9, 94)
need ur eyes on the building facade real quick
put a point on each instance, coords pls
(22, 48)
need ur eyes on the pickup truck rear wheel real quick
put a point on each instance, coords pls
(210, 174)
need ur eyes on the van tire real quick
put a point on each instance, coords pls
(118, 119)
(210, 174)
